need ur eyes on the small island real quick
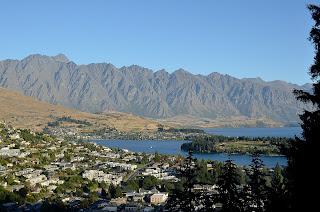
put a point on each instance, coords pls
(237, 145)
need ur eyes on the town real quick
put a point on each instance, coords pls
(74, 132)
(40, 171)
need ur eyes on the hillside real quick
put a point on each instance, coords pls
(97, 87)
(25, 112)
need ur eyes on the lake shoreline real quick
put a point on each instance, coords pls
(173, 148)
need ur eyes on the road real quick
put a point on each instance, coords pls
(136, 172)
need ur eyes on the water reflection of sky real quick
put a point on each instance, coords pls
(173, 148)
(289, 132)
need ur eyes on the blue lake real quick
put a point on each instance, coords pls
(173, 147)
(289, 132)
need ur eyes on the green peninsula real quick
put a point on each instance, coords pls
(237, 145)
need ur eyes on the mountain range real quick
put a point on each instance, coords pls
(97, 87)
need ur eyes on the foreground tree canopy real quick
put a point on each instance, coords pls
(302, 153)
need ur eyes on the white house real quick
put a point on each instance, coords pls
(15, 136)
(9, 152)
(101, 176)
(37, 179)
(48, 182)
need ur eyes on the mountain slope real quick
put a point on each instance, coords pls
(100, 86)
(26, 112)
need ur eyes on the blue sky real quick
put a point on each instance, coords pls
(248, 38)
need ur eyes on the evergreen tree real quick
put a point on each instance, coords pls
(217, 167)
(302, 152)
(189, 173)
(112, 191)
(202, 174)
(118, 192)
(277, 180)
(185, 199)
(10, 179)
(276, 193)
(104, 193)
(229, 195)
(23, 192)
(93, 196)
(156, 156)
(257, 186)
(144, 159)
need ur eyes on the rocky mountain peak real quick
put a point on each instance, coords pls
(62, 58)
(100, 86)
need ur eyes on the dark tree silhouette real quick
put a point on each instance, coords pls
(257, 186)
(302, 153)
(112, 190)
(276, 193)
(157, 157)
(185, 199)
(229, 195)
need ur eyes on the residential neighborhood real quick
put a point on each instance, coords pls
(39, 172)
(42, 170)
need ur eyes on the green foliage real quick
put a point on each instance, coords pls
(240, 145)
(26, 135)
(202, 176)
(169, 187)
(217, 168)
(10, 179)
(185, 199)
(54, 206)
(229, 195)
(184, 130)
(180, 155)
(145, 158)
(79, 192)
(7, 196)
(104, 193)
(60, 189)
(132, 185)
(149, 181)
(68, 185)
(112, 191)
(93, 196)
(100, 131)
(156, 157)
(277, 190)
(257, 189)
(85, 203)
(93, 185)
(118, 192)
(71, 120)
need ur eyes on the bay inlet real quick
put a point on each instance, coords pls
(173, 147)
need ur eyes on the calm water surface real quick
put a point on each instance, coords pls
(173, 147)
(289, 132)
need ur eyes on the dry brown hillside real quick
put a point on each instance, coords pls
(25, 112)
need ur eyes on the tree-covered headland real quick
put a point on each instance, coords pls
(237, 145)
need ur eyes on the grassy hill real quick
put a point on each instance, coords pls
(22, 111)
